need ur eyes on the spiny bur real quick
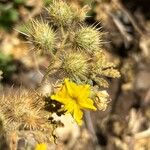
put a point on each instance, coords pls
(88, 39)
(42, 36)
(75, 65)
(24, 111)
(61, 14)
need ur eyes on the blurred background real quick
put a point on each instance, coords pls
(125, 125)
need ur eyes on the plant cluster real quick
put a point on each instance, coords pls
(75, 50)
(77, 69)
(23, 117)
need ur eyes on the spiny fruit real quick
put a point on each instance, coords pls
(61, 14)
(88, 39)
(23, 111)
(42, 36)
(22, 117)
(75, 64)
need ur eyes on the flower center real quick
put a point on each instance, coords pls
(75, 99)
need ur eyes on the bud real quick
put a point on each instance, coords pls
(101, 100)
(111, 72)
(88, 39)
(102, 67)
(101, 82)
(42, 36)
(75, 65)
(61, 13)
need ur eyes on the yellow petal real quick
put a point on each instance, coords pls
(77, 114)
(63, 92)
(59, 99)
(72, 88)
(41, 147)
(69, 107)
(84, 91)
(87, 104)
(69, 87)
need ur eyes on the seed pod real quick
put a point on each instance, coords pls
(88, 39)
(42, 36)
(61, 13)
(75, 65)
(23, 110)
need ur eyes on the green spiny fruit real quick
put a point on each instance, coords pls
(87, 39)
(61, 14)
(42, 36)
(75, 64)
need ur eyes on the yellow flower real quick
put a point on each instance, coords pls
(75, 98)
(41, 146)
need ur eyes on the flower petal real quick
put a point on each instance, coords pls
(59, 99)
(71, 88)
(69, 107)
(84, 91)
(87, 104)
(41, 146)
(77, 114)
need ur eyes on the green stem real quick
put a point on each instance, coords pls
(65, 37)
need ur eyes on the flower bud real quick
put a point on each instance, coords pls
(42, 36)
(101, 100)
(102, 67)
(88, 39)
(61, 13)
(75, 65)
